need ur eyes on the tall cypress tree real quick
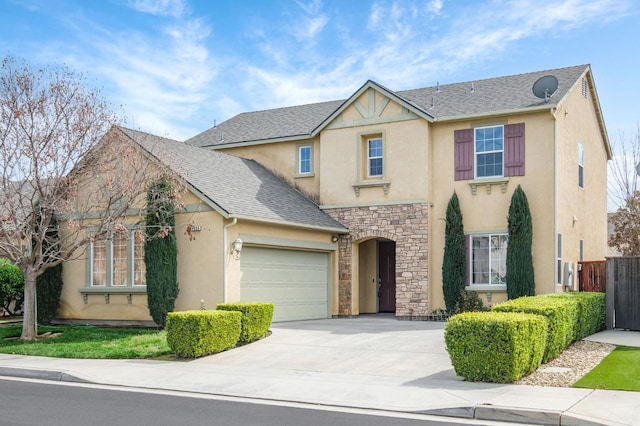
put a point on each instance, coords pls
(520, 279)
(161, 251)
(49, 284)
(454, 262)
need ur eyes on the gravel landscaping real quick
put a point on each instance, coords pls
(573, 363)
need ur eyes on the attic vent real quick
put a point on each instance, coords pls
(584, 88)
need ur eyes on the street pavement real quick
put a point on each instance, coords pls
(369, 362)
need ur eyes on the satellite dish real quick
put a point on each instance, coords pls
(544, 87)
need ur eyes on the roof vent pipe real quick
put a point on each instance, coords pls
(473, 89)
(438, 87)
(433, 102)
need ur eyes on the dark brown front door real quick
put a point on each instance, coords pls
(387, 276)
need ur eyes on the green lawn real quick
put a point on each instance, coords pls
(84, 341)
(620, 370)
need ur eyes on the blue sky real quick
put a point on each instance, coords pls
(178, 65)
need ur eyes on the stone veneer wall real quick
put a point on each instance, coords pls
(407, 225)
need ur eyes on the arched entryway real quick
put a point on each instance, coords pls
(377, 276)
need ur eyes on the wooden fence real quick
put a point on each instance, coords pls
(592, 276)
(623, 292)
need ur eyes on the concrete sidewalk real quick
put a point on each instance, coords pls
(368, 362)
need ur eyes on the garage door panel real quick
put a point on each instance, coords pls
(296, 282)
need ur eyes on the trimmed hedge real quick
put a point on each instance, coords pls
(561, 315)
(495, 347)
(592, 312)
(256, 319)
(192, 334)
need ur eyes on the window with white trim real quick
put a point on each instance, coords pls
(305, 160)
(580, 164)
(489, 259)
(374, 157)
(489, 151)
(118, 261)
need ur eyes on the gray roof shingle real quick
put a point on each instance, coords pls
(447, 101)
(238, 187)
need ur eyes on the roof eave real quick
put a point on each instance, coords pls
(259, 142)
(596, 100)
(290, 224)
(491, 114)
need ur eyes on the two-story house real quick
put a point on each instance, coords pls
(383, 165)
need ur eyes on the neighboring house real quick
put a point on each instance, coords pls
(380, 168)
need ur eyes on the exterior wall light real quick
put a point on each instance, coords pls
(335, 238)
(236, 248)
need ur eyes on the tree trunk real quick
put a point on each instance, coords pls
(29, 325)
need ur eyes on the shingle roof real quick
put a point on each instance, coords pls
(278, 123)
(499, 94)
(238, 187)
(447, 101)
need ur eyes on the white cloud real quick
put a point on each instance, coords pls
(173, 8)
(399, 50)
(311, 23)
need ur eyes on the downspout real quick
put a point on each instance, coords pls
(225, 249)
(555, 198)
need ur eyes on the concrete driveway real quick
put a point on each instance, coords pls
(370, 345)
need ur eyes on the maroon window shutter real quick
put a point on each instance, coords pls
(514, 149)
(463, 154)
(469, 268)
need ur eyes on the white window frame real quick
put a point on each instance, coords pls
(492, 284)
(110, 260)
(300, 159)
(371, 158)
(494, 151)
(580, 165)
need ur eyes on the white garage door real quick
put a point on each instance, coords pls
(296, 282)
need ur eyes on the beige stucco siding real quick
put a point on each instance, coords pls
(485, 212)
(199, 276)
(581, 211)
(343, 158)
(282, 159)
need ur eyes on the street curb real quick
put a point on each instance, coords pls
(56, 376)
(479, 412)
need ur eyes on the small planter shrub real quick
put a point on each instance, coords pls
(192, 334)
(561, 315)
(256, 319)
(11, 287)
(469, 301)
(592, 312)
(495, 347)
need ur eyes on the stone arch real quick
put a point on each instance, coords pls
(373, 233)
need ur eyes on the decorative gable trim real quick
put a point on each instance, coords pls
(353, 100)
